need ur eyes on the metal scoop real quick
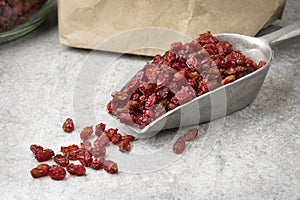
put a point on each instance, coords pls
(228, 98)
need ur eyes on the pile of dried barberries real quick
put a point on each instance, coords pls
(181, 74)
(88, 155)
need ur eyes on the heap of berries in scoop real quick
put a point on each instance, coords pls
(181, 74)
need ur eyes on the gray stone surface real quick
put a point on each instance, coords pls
(256, 155)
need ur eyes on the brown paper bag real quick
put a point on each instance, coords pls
(85, 24)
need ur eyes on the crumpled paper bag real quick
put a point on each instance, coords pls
(86, 24)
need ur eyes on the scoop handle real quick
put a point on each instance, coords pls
(285, 33)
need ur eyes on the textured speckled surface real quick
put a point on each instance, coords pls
(255, 156)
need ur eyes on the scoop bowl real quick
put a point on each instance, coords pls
(228, 98)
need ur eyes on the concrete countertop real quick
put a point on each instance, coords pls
(255, 155)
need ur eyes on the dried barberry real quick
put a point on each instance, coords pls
(99, 151)
(68, 125)
(86, 133)
(179, 145)
(109, 107)
(69, 148)
(228, 79)
(86, 145)
(77, 170)
(100, 128)
(116, 138)
(128, 137)
(126, 117)
(56, 172)
(98, 164)
(124, 146)
(110, 167)
(84, 157)
(102, 141)
(35, 148)
(70, 151)
(44, 155)
(110, 132)
(40, 171)
(191, 134)
(72, 155)
(61, 160)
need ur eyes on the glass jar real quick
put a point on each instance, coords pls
(19, 17)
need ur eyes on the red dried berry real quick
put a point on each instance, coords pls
(71, 155)
(128, 137)
(157, 59)
(126, 118)
(68, 125)
(44, 155)
(110, 132)
(86, 145)
(56, 172)
(61, 160)
(102, 141)
(70, 151)
(86, 133)
(69, 148)
(109, 107)
(116, 138)
(191, 134)
(43, 166)
(177, 46)
(228, 79)
(124, 146)
(35, 148)
(99, 151)
(100, 128)
(40, 171)
(150, 101)
(179, 145)
(110, 167)
(261, 64)
(97, 164)
(77, 170)
(84, 157)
